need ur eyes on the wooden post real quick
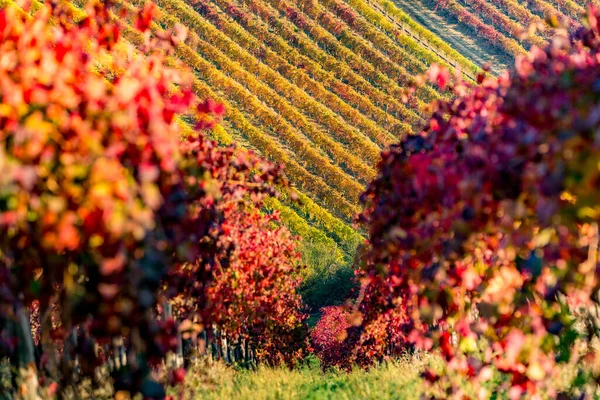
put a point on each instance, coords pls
(173, 360)
(217, 344)
(117, 345)
(110, 361)
(224, 348)
(25, 346)
(237, 352)
(25, 374)
(179, 359)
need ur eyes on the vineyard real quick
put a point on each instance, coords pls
(370, 198)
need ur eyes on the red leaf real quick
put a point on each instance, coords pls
(144, 18)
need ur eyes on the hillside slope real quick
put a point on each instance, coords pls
(322, 86)
(454, 33)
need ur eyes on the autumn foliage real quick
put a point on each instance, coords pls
(93, 199)
(254, 295)
(328, 337)
(485, 223)
(340, 339)
(102, 204)
(250, 292)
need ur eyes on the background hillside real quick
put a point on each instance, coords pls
(323, 86)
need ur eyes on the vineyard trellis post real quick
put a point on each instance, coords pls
(173, 360)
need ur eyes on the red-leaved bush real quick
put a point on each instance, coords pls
(341, 340)
(251, 294)
(102, 204)
(328, 337)
(486, 223)
(93, 205)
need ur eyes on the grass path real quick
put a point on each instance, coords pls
(475, 49)
(396, 380)
(399, 379)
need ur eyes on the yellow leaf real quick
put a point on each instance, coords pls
(101, 189)
(543, 238)
(467, 345)
(5, 110)
(535, 372)
(96, 240)
(587, 212)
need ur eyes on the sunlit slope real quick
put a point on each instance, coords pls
(305, 218)
(322, 85)
(310, 85)
(326, 121)
(496, 30)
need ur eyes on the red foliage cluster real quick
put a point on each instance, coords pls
(102, 204)
(296, 17)
(464, 16)
(204, 9)
(253, 294)
(341, 340)
(345, 12)
(328, 19)
(235, 177)
(248, 290)
(91, 194)
(237, 14)
(384, 336)
(486, 222)
(328, 337)
(244, 281)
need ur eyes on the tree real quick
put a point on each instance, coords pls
(99, 196)
(253, 295)
(485, 223)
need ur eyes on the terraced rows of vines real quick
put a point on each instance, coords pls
(323, 86)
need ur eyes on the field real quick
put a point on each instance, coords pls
(283, 199)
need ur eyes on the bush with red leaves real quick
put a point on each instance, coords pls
(99, 197)
(251, 291)
(486, 223)
(328, 337)
(340, 340)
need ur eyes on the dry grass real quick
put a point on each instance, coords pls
(398, 379)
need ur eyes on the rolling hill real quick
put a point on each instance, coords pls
(322, 85)
(318, 85)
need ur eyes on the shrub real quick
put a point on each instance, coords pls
(486, 222)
